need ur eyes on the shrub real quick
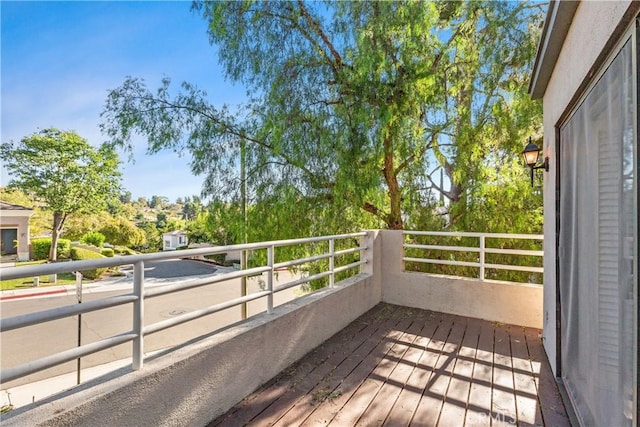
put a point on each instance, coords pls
(81, 254)
(93, 238)
(122, 250)
(41, 248)
(107, 252)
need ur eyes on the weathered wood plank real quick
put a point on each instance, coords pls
(503, 407)
(446, 344)
(528, 409)
(480, 392)
(553, 411)
(405, 405)
(379, 408)
(374, 379)
(455, 404)
(398, 366)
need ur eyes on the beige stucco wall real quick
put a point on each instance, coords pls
(593, 24)
(496, 301)
(21, 223)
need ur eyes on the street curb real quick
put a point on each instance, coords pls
(33, 294)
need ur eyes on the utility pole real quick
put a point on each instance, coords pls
(243, 196)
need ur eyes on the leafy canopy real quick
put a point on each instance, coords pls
(355, 109)
(63, 172)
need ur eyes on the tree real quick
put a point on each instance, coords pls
(125, 197)
(158, 202)
(191, 207)
(64, 173)
(122, 232)
(356, 107)
(39, 221)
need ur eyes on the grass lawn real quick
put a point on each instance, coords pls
(27, 282)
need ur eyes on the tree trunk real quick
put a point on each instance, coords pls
(55, 234)
(394, 219)
(58, 220)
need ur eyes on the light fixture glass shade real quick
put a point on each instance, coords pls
(531, 153)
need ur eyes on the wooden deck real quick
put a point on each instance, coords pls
(398, 366)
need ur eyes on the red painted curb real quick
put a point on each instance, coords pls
(35, 294)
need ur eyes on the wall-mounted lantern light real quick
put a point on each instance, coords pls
(531, 155)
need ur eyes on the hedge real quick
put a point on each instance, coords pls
(123, 250)
(108, 252)
(93, 238)
(81, 254)
(41, 248)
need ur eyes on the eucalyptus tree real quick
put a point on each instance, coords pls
(353, 109)
(65, 174)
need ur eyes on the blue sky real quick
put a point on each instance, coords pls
(59, 59)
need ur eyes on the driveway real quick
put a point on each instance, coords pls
(173, 268)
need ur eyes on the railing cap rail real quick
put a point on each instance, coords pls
(474, 234)
(64, 267)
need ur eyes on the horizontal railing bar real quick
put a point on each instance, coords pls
(350, 250)
(528, 252)
(290, 242)
(196, 314)
(167, 289)
(515, 268)
(472, 234)
(63, 357)
(441, 261)
(64, 267)
(476, 264)
(30, 319)
(442, 248)
(349, 266)
(300, 261)
(301, 281)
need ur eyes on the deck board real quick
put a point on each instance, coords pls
(398, 366)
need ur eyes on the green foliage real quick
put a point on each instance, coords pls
(40, 221)
(471, 256)
(122, 232)
(158, 202)
(82, 254)
(93, 238)
(152, 236)
(42, 247)
(357, 107)
(63, 172)
(78, 225)
(123, 251)
(108, 252)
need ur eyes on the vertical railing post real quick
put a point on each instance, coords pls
(331, 262)
(270, 252)
(79, 298)
(482, 257)
(138, 315)
(243, 284)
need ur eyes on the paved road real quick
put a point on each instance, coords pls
(38, 341)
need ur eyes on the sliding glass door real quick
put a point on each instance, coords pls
(598, 220)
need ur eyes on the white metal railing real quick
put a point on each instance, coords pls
(481, 249)
(140, 294)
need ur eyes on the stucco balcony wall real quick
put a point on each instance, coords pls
(516, 304)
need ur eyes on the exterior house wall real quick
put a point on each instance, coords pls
(21, 223)
(173, 240)
(592, 26)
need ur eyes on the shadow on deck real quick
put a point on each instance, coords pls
(401, 366)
